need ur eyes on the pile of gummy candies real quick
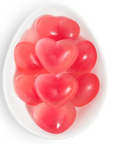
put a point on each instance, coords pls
(55, 64)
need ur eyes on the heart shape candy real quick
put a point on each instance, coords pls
(57, 90)
(26, 59)
(24, 88)
(57, 28)
(56, 57)
(30, 35)
(88, 88)
(54, 120)
(86, 59)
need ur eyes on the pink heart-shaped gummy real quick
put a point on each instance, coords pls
(30, 35)
(56, 57)
(24, 88)
(26, 59)
(55, 91)
(54, 120)
(57, 28)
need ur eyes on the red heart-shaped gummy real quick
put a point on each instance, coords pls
(88, 89)
(26, 59)
(56, 57)
(86, 59)
(54, 120)
(57, 28)
(24, 87)
(55, 91)
(30, 35)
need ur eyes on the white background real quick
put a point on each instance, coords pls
(99, 14)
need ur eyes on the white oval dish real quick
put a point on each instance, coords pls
(85, 115)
